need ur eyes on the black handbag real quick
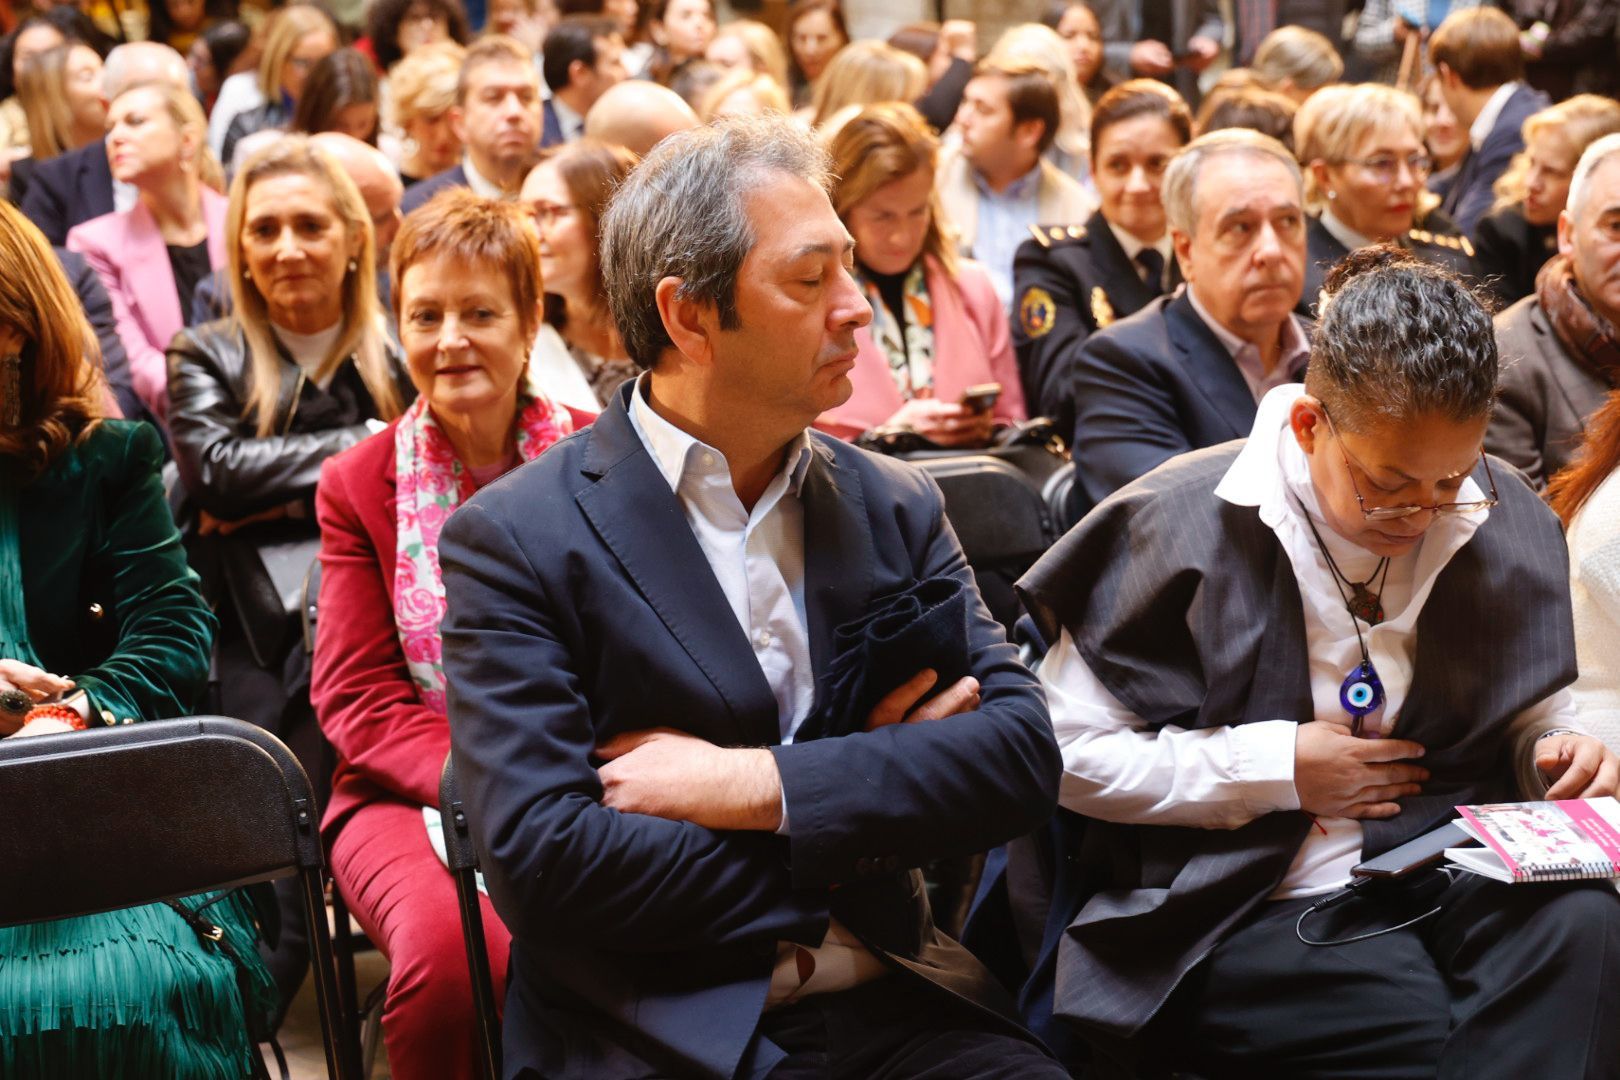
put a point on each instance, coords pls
(264, 568)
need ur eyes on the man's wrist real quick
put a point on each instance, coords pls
(757, 785)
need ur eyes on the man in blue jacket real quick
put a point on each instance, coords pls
(705, 875)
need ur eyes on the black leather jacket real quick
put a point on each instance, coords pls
(226, 467)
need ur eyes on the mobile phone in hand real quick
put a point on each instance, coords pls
(981, 398)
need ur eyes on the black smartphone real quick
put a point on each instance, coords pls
(1426, 850)
(982, 398)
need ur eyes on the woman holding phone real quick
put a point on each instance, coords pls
(939, 337)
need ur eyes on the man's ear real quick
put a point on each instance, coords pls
(577, 71)
(458, 123)
(1028, 133)
(689, 323)
(1181, 244)
(1566, 233)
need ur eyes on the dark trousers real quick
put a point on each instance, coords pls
(894, 1030)
(1508, 981)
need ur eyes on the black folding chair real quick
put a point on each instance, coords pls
(201, 804)
(1000, 516)
(463, 860)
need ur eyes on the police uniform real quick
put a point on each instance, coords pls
(1435, 240)
(1068, 282)
(1512, 252)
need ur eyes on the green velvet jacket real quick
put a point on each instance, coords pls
(109, 598)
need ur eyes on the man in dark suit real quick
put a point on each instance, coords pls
(74, 187)
(704, 875)
(1187, 371)
(583, 59)
(1170, 40)
(497, 117)
(1477, 56)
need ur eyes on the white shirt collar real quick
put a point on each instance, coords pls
(570, 122)
(481, 184)
(1341, 232)
(678, 453)
(1134, 247)
(1486, 120)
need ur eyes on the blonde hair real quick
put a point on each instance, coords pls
(283, 31)
(765, 50)
(362, 335)
(185, 113)
(424, 83)
(879, 145)
(1298, 56)
(1582, 119)
(1334, 121)
(41, 91)
(62, 388)
(766, 90)
(864, 73)
(1040, 46)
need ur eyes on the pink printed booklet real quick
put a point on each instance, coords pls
(1541, 841)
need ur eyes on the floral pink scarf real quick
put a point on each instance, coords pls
(432, 483)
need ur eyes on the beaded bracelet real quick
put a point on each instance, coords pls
(68, 716)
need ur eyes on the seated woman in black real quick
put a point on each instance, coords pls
(1278, 657)
(1074, 279)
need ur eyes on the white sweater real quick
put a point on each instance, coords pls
(1594, 564)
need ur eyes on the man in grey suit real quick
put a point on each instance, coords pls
(1170, 40)
(1559, 353)
(1201, 622)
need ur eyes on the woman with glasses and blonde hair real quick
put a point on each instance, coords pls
(101, 623)
(1357, 597)
(296, 38)
(937, 326)
(1365, 164)
(151, 256)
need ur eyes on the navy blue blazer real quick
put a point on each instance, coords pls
(1470, 198)
(582, 607)
(1152, 386)
(419, 193)
(552, 133)
(69, 189)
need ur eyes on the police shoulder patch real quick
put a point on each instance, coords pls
(1037, 313)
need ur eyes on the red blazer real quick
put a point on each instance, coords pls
(389, 745)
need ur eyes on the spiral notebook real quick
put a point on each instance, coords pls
(1568, 840)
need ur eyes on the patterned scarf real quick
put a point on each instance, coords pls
(911, 351)
(1585, 335)
(432, 482)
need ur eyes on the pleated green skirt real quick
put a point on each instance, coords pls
(130, 995)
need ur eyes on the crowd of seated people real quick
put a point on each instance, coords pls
(583, 352)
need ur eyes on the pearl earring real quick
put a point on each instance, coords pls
(354, 265)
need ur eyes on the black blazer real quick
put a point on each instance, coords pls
(423, 190)
(1150, 387)
(581, 607)
(1470, 195)
(1055, 281)
(1511, 252)
(69, 189)
(1437, 240)
(551, 132)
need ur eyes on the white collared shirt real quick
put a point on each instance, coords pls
(482, 185)
(757, 556)
(1134, 247)
(1115, 769)
(1293, 349)
(1344, 234)
(569, 122)
(1486, 120)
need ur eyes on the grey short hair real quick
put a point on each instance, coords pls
(682, 213)
(1593, 157)
(1180, 189)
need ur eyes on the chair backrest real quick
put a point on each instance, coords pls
(133, 814)
(996, 508)
(462, 858)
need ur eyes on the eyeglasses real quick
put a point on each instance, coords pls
(1385, 167)
(1395, 513)
(548, 213)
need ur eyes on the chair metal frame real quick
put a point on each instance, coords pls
(192, 805)
(463, 860)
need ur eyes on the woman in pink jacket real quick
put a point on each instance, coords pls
(937, 327)
(151, 256)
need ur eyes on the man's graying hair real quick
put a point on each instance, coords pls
(683, 213)
(1400, 338)
(1180, 188)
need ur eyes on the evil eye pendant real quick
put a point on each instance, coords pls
(1361, 693)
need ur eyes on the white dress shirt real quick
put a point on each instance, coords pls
(758, 558)
(481, 185)
(1594, 582)
(1486, 120)
(1115, 769)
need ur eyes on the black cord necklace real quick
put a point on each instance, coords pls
(1362, 692)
